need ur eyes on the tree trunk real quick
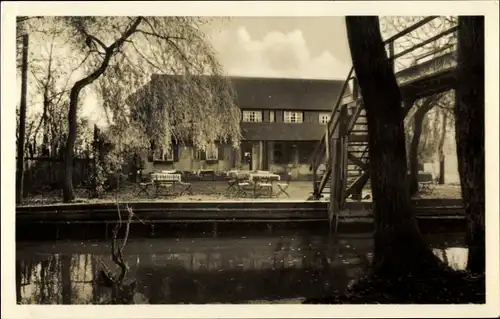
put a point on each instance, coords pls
(399, 246)
(415, 141)
(469, 123)
(22, 123)
(441, 147)
(69, 151)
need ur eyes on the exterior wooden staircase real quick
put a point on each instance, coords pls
(348, 127)
(340, 162)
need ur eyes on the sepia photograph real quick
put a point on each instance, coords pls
(250, 159)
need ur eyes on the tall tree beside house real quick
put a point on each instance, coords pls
(119, 54)
(469, 122)
(399, 247)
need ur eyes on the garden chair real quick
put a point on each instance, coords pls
(244, 185)
(144, 184)
(284, 186)
(266, 184)
(231, 183)
(186, 188)
(426, 182)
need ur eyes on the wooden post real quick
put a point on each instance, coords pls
(334, 176)
(391, 54)
(338, 160)
(355, 89)
(327, 146)
(22, 122)
(344, 119)
(261, 156)
(346, 141)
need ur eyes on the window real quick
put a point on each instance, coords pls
(252, 116)
(324, 118)
(305, 149)
(293, 117)
(212, 153)
(163, 155)
(271, 116)
(283, 153)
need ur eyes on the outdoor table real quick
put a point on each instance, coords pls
(169, 180)
(267, 177)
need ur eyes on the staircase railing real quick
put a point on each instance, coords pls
(321, 147)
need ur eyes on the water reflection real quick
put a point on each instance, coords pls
(455, 257)
(197, 270)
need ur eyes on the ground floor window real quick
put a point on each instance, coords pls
(283, 153)
(306, 150)
(212, 153)
(162, 154)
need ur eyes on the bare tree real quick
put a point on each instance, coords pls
(51, 74)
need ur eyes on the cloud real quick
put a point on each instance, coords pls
(277, 54)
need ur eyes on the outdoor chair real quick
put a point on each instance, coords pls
(186, 188)
(284, 186)
(426, 182)
(266, 184)
(144, 184)
(165, 185)
(242, 186)
(231, 183)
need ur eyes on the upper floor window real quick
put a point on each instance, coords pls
(271, 116)
(293, 117)
(252, 116)
(324, 118)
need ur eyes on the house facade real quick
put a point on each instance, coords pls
(282, 119)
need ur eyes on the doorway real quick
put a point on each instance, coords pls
(247, 155)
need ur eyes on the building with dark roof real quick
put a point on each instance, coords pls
(282, 120)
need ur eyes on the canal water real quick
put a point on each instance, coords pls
(284, 267)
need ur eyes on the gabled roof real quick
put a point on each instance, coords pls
(279, 93)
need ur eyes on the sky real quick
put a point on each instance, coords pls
(303, 47)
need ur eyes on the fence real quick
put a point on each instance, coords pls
(46, 172)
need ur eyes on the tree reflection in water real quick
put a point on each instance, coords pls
(199, 270)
